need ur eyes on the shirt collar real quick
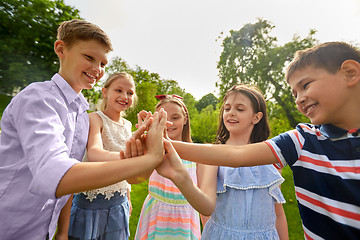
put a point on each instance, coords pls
(70, 94)
(332, 131)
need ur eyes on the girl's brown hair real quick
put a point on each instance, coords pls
(261, 130)
(186, 133)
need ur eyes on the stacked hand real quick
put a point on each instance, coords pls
(136, 145)
(151, 137)
(171, 167)
(148, 138)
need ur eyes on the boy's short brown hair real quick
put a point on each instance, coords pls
(76, 29)
(328, 56)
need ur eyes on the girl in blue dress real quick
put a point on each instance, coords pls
(244, 202)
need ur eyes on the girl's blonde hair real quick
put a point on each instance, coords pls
(110, 80)
(186, 132)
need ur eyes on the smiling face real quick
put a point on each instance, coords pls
(82, 64)
(319, 95)
(239, 117)
(119, 95)
(176, 116)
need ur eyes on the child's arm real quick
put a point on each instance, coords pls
(90, 175)
(226, 155)
(281, 223)
(95, 150)
(64, 220)
(204, 172)
(134, 148)
(204, 199)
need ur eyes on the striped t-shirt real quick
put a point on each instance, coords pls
(325, 161)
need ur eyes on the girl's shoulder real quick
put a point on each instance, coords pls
(94, 116)
(95, 119)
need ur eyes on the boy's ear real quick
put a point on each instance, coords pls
(59, 48)
(351, 70)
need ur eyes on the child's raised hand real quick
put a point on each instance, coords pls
(134, 148)
(154, 136)
(144, 121)
(171, 166)
(142, 117)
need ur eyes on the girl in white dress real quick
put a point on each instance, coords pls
(104, 213)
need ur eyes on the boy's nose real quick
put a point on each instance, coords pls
(299, 99)
(98, 68)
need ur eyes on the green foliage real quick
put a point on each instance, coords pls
(28, 32)
(208, 99)
(278, 120)
(4, 101)
(190, 103)
(291, 207)
(250, 55)
(204, 125)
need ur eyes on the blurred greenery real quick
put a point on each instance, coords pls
(4, 101)
(28, 32)
(291, 207)
(138, 195)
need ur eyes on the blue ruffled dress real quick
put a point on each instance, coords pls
(245, 204)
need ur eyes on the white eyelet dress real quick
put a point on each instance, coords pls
(103, 213)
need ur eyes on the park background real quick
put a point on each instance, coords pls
(249, 50)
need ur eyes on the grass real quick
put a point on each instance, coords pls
(138, 195)
(291, 207)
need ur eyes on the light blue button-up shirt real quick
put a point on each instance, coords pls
(44, 131)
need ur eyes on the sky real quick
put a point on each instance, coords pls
(181, 40)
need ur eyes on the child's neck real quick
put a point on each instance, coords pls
(238, 140)
(115, 116)
(177, 138)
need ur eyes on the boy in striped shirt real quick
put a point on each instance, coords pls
(325, 155)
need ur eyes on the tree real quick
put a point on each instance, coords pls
(204, 125)
(208, 99)
(28, 32)
(250, 55)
